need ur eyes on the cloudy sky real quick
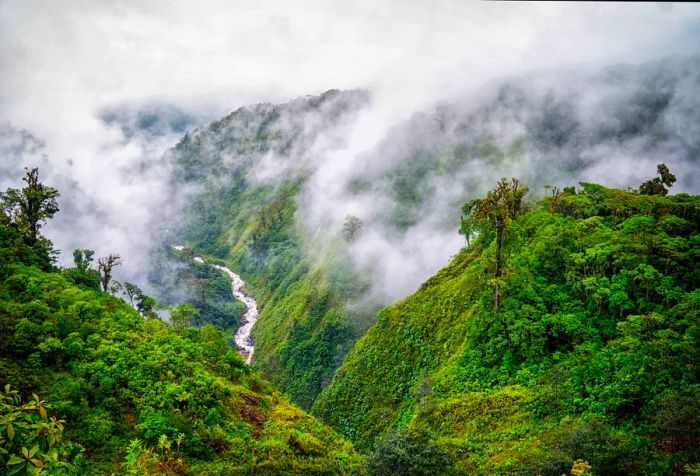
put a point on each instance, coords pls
(66, 58)
(63, 63)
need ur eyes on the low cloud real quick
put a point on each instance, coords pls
(97, 93)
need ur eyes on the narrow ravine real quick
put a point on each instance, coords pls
(242, 337)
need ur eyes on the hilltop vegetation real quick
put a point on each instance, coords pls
(592, 353)
(123, 393)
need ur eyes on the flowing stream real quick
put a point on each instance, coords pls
(242, 337)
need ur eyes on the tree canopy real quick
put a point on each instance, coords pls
(31, 206)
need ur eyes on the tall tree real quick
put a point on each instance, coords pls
(105, 266)
(146, 305)
(184, 315)
(83, 273)
(31, 206)
(497, 209)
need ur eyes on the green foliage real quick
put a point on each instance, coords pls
(82, 274)
(500, 206)
(114, 377)
(592, 355)
(657, 185)
(161, 459)
(30, 441)
(410, 453)
(82, 259)
(304, 330)
(184, 315)
(31, 206)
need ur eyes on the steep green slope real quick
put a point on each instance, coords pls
(593, 353)
(114, 376)
(304, 330)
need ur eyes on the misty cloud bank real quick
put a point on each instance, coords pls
(97, 95)
(610, 127)
(407, 181)
(124, 203)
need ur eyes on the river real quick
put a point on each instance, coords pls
(242, 337)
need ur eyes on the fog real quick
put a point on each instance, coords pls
(407, 182)
(97, 93)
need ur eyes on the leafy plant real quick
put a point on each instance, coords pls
(30, 440)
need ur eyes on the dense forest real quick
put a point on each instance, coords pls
(422, 316)
(584, 346)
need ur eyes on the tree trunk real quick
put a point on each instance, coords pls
(499, 242)
(106, 278)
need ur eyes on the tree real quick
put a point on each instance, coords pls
(466, 228)
(83, 273)
(105, 266)
(83, 259)
(115, 286)
(31, 206)
(132, 291)
(351, 228)
(146, 306)
(497, 209)
(657, 185)
(184, 315)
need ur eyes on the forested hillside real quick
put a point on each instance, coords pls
(90, 385)
(564, 333)
(586, 347)
(325, 235)
(251, 224)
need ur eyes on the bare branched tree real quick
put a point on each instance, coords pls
(105, 266)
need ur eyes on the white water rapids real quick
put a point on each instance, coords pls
(242, 337)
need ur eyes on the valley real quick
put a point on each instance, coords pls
(503, 283)
(242, 337)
